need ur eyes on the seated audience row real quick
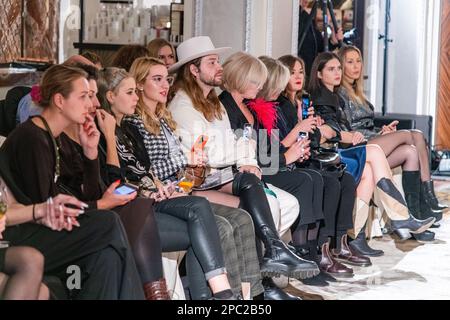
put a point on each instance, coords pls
(259, 145)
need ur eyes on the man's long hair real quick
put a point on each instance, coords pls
(210, 106)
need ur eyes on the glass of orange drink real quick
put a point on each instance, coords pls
(186, 182)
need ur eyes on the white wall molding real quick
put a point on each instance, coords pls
(248, 24)
(295, 21)
(430, 74)
(269, 30)
(372, 49)
(189, 19)
(198, 20)
(64, 7)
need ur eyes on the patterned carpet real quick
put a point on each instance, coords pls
(408, 270)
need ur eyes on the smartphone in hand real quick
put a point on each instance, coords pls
(302, 136)
(200, 143)
(306, 101)
(125, 189)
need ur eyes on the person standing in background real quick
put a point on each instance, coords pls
(313, 43)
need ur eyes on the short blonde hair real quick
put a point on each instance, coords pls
(240, 70)
(277, 80)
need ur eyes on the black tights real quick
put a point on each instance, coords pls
(140, 225)
(305, 233)
(407, 148)
(24, 267)
(338, 200)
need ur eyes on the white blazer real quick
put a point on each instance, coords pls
(223, 147)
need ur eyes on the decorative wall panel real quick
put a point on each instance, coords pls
(10, 29)
(33, 37)
(443, 111)
(41, 29)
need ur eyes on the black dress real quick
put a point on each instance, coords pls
(99, 246)
(299, 184)
(339, 194)
(137, 216)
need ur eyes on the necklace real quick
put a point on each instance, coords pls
(55, 148)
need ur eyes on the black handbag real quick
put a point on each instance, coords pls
(327, 162)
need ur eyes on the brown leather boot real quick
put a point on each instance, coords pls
(156, 290)
(331, 266)
(348, 255)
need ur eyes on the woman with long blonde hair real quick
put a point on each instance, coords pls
(199, 112)
(155, 125)
(365, 161)
(185, 223)
(407, 148)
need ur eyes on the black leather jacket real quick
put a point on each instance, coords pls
(327, 105)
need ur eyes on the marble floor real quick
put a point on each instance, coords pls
(408, 270)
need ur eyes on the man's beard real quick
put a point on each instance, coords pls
(211, 82)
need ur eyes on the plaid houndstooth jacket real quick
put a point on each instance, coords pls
(162, 163)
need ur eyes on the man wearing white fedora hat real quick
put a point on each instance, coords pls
(198, 112)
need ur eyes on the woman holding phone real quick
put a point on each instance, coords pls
(368, 160)
(407, 148)
(31, 165)
(137, 214)
(244, 234)
(174, 209)
(318, 214)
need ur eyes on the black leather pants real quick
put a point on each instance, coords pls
(188, 222)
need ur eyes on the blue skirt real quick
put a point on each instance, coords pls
(355, 160)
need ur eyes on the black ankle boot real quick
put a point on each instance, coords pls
(313, 248)
(301, 251)
(429, 197)
(402, 222)
(417, 206)
(361, 246)
(411, 186)
(278, 259)
(272, 292)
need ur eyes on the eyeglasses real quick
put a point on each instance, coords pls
(158, 80)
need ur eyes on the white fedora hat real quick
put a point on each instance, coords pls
(194, 48)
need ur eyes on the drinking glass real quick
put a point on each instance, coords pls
(186, 181)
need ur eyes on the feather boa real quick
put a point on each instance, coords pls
(266, 112)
